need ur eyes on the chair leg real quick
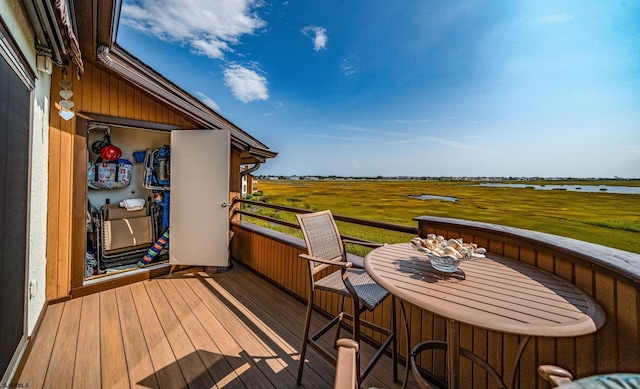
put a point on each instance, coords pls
(339, 325)
(305, 337)
(394, 328)
(356, 336)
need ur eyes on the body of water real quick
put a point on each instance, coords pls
(432, 197)
(571, 188)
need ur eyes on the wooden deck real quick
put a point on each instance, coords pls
(228, 330)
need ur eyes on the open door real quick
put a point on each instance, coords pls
(199, 213)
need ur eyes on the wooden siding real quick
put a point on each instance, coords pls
(615, 347)
(235, 182)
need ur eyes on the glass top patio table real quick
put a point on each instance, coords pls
(497, 294)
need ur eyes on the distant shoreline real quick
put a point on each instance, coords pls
(444, 178)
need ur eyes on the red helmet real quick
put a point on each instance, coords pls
(110, 152)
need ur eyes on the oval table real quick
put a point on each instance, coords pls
(494, 293)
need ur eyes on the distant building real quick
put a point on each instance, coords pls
(249, 183)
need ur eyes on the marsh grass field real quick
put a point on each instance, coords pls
(604, 218)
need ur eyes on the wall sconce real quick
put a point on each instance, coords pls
(65, 104)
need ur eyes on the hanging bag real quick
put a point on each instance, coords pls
(109, 175)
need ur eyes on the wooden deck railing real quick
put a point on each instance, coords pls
(611, 276)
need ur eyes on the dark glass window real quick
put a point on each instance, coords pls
(15, 100)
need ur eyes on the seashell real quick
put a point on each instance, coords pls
(416, 242)
(480, 250)
(448, 250)
(466, 252)
(431, 236)
(455, 243)
(440, 239)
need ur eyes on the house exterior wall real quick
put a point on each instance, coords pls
(245, 187)
(15, 17)
(39, 195)
(251, 183)
(98, 92)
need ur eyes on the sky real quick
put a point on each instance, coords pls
(534, 88)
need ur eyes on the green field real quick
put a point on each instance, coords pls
(604, 218)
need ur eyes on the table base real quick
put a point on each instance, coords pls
(432, 382)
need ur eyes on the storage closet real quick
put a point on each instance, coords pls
(126, 212)
(156, 178)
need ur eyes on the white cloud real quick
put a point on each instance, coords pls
(208, 27)
(346, 67)
(404, 121)
(347, 127)
(211, 49)
(341, 138)
(245, 84)
(207, 100)
(434, 140)
(556, 19)
(318, 35)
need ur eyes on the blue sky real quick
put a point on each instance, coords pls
(424, 88)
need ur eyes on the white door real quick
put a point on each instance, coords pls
(198, 211)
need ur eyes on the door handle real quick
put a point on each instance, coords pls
(224, 205)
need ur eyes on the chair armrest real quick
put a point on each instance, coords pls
(348, 342)
(326, 261)
(342, 264)
(346, 371)
(361, 243)
(555, 375)
(360, 263)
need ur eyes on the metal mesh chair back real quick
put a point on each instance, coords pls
(321, 235)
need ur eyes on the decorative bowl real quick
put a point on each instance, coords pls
(446, 255)
(445, 264)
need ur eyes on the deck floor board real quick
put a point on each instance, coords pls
(86, 370)
(191, 329)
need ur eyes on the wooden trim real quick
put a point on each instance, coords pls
(347, 219)
(60, 300)
(271, 234)
(124, 122)
(79, 208)
(619, 264)
(34, 334)
(114, 282)
(10, 50)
